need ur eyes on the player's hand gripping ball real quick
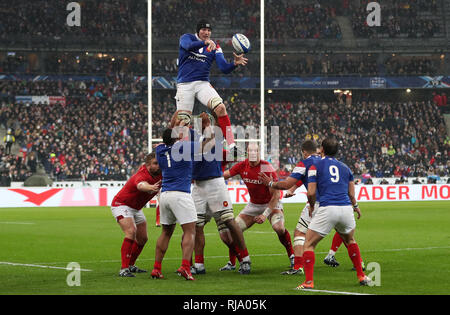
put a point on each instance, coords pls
(241, 44)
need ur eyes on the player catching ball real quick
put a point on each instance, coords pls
(126, 208)
(197, 52)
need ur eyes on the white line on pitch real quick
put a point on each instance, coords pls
(37, 266)
(333, 292)
(17, 223)
(258, 255)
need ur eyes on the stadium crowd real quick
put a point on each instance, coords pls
(379, 139)
(402, 19)
(45, 21)
(287, 20)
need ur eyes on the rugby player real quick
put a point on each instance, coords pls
(333, 180)
(176, 204)
(197, 52)
(127, 207)
(264, 202)
(212, 199)
(295, 179)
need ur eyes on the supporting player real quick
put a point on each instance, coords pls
(264, 202)
(126, 208)
(197, 52)
(212, 199)
(296, 178)
(334, 181)
(176, 204)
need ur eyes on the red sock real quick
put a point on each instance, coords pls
(232, 255)
(158, 215)
(125, 251)
(355, 256)
(157, 265)
(285, 239)
(243, 253)
(309, 260)
(135, 252)
(237, 253)
(199, 259)
(337, 241)
(185, 264)
(298, 262)
(225, 126)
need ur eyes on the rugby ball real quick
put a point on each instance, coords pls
(186, 117)
(241, 44)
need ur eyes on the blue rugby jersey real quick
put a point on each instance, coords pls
(194, 61)
(332, 178)
(176, 167)
(300, 171)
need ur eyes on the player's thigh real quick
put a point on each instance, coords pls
(141, 233)
(323, 221)
(167, 216)
(346, 222)
(217, 195)
(183, 208)
(206, 93)
(185, 96)
(125, 218)
(305, 219)
(201, 204)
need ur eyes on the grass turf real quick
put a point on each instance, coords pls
(409, 240)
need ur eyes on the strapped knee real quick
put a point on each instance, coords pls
(241, 223)
(214, 102)
(299, 241)
(276, 217)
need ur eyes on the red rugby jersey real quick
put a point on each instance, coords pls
(129, 194)
(259, 193)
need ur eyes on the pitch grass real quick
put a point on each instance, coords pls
(409, 240)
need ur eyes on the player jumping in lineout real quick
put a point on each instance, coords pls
(197, 52)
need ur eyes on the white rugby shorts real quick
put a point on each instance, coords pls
(254, 210)
(305, 220)
(211, 196)
(176, 206)
(124, 211)
(340, 218)
(189, 91)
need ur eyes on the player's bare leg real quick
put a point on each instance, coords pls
(227, 239)
(128, 227)
(160, 250)
(187, 244)
(355, 257)
(276, 219)
(238, 238)
(138, 245)
(312, 239)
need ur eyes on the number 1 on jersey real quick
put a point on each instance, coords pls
(168, 159)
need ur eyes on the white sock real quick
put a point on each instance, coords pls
(331, 253)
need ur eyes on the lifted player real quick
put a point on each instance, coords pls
(126, 208)
(197, 52)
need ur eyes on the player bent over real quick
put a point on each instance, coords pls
(212, 199)
(334, 181)
(126, 208)
(197, 52)
(298, 177)
(264, 202)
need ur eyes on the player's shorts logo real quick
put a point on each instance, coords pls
(225, 203)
